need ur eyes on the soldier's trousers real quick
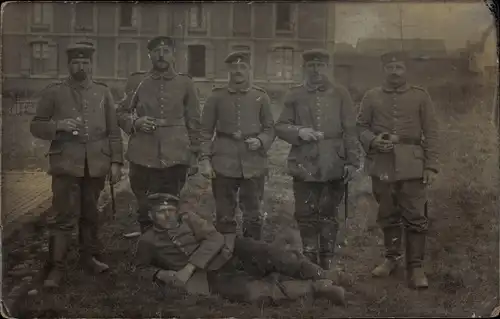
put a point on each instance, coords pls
(316, 212)
(250, 191)
(145, 181)
(250, 274)
(74, 201)
(401, 204)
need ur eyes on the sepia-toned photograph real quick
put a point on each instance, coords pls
(250, 159)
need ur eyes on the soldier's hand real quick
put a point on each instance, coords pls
(145, 124)
(308, 134)
(429, 177)
(253, 143)
(206, 169)
(185, 273)
(68, 125)
(349, 171)
(115, 173)
(382, 145)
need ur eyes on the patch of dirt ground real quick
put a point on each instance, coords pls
(462, 264)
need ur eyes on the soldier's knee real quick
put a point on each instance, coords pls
(417, 225)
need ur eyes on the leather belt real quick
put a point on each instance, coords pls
(67, 137)
(409, 140)
(396, 139)
(237, 135)
(166, 122)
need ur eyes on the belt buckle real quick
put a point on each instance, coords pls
(237, 135)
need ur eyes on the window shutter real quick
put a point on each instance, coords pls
(52, 59)
(121, 62)
(134, 16)
(48, 13)
(26, 61)
(210, 61)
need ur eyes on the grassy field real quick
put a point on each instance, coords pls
(462, 251)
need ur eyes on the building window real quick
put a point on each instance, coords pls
(127, 15)
(43, 58)
(197, 61)
(42, 14)
(84, 16)
(127, 59)
(282, 63)
(284, 20)
(197, 17)
(242, 19)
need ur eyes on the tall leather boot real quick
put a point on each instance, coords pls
(58, 247)
(415, 251)
(89, 249)
(309, 239)
(392, 243)
(328, 239)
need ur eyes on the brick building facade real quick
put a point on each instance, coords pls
(35, 36)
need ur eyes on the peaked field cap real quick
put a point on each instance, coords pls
(160, 41)
(80, 49)
(316, 55)
(162, 198)
(393, 56)
(238, 56)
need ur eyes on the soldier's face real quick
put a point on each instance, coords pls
(80, 68)
(165, 216)
(395, 72)
(239, 72)
(316, 71)
(162, 57)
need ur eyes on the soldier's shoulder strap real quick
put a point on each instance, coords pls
(258, 88)
(51, 86)
(296, 86)
(100, 83)
(417, 87)
(138, 73)
(218, 87)
(185, 74)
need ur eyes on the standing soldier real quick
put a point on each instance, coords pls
(78, 116)
(318, 121)
(161, 114)
(240, 114)
(398, 131)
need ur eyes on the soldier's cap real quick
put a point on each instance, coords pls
(320, 55)
(238, 56)
(80, 49)
(393, 56)
(158, 199)
(160, 41)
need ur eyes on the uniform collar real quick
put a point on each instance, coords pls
(325, 85)
(168, 75)
(79, 84)
(234, 88)
(403, 88)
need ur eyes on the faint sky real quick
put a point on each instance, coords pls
(456, 22)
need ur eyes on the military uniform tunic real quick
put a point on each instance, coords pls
(78, 163)
(223, 261)
(159, 160)
(408, 113)
(318, 167)
(235, 115)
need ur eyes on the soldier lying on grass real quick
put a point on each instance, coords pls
(183, 250)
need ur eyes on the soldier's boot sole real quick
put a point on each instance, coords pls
(95, 266)
(325, 289)
(417, 278)
(53, 279)
(387, 268)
